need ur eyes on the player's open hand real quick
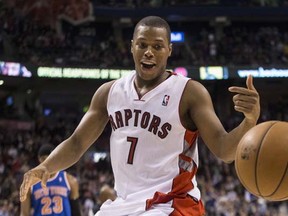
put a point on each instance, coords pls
(39, 173)
(246, 100)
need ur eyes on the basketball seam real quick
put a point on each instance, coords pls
(256, 160)
(279, 182)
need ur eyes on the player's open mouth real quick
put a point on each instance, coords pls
(147, 65)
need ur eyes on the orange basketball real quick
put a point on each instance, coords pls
(262, 160)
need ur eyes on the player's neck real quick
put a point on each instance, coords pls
(143, 86)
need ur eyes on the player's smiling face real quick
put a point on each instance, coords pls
(150, 49)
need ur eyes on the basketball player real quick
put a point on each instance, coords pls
(156, 117)
(59, 197)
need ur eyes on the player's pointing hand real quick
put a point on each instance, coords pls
(246, 100)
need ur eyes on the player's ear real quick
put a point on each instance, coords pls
(170, 49)
(131, 46)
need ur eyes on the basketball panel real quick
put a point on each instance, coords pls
(273, 163)
(272, 160)
(247, 156)
(281, 192)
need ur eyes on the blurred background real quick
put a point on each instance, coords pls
(55, 54)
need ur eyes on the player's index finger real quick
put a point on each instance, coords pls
(240, 90)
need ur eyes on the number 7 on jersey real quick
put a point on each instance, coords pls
(133, 141)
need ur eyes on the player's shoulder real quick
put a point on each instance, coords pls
(103, 91)
(194, 92)
(107, 85)
(70, 177)
(195, 86)
(122, 83)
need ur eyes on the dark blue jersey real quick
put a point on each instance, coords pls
(53, 201)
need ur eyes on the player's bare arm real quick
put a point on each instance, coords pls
(198, 111)
(70, 150)
(26, 206)
(74, 187)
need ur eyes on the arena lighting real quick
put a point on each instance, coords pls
(213, 72)
(14, 69)
(195, 72)
(97, 156)
(82, 73)
(177, 37)
(52, 72)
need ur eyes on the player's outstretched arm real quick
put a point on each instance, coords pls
(25, 207)
(70, 150)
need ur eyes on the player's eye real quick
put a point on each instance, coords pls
(142, 45)
(157, 46)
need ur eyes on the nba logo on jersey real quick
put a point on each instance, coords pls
(165, 100)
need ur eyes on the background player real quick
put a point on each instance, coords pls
(59, 197)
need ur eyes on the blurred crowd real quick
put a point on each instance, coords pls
(56, 36)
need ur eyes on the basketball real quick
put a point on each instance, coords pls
(261, 160)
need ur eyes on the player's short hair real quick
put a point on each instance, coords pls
(154, 21)
(45, 150)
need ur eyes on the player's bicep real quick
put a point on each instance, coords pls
(202, 113)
